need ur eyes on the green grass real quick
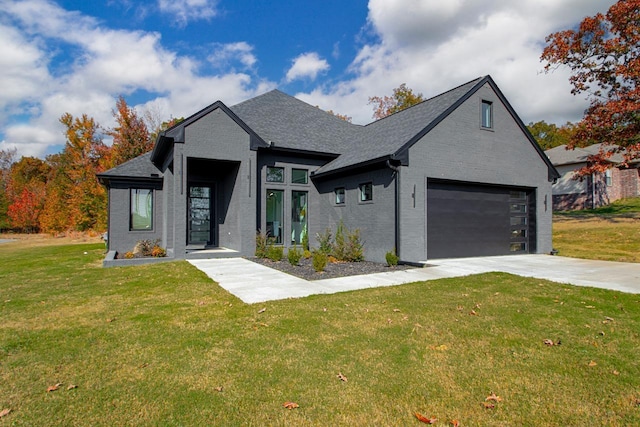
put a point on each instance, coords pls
(149, 345)
(609, 233)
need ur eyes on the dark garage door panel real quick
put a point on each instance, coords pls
(465, 220)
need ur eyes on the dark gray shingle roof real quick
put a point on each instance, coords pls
(561, 156)
(140, 167)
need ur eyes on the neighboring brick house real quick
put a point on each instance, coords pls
(571, 192)
(456, 175)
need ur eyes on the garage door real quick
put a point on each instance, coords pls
(465, 220)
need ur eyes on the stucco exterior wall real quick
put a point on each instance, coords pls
(459, 149)
(375, 219)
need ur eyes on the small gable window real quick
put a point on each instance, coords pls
(299, 176)
(141, 213)
(486, 119)
(340, 196)
(275, 174)
(366, 192)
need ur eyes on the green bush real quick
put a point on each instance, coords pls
(392, 258)
(293, 255)
(340, 248)
(261, 245)
(275, 253)
(355, 247)
(306, 254)
(305, 241)
(319, 260)
(324, 240)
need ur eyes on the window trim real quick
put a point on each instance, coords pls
(362, 193)
(489, 104)
(344, 196)
(152, 213)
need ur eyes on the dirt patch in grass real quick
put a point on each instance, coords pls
(338, 269)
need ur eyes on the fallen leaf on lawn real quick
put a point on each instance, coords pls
(589, 306)
(424, 419)
(592, 363)
(53, 387)
(460, 308)
(396, 310)
(290, 405)
(493, 397)
(473, 313)
(607, 319)
(5, 412)
(342, 377)
(219, 389)
(389, 321)
(71, 386)
(201, 303)
(548, 342)
(324, 309)
(488, 405)
(144, 365)
(441, 347)
(477, 305)
(615, 372)
(637, 402)
(262, 310)
(454, 423)
(405, 317)
(601, 333)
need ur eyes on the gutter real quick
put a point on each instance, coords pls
(396, 170)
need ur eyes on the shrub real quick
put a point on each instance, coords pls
(319, 260)
(324, 240)
(293, 255)
(355, 248)
(392, 258)
(306, 254)
(158, 252)
(332, 259)
(261, 245)
(305, 241)
(129, 255)
(275, 253)
(339, 249)
(144, 247)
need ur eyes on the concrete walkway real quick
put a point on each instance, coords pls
(254, 283)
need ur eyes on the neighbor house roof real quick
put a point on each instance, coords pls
(560, 155)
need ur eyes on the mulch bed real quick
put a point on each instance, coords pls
(339, 269)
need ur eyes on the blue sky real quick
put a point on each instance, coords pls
(170, 58)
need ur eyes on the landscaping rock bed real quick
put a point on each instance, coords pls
(339, 269)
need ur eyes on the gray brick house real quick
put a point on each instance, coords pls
(457, 175)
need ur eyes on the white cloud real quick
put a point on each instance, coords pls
(107, 63)
(188, 10)
(224, 54)
(307, 65)
(433, 46)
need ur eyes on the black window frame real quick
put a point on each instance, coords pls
(306, 176)
(362, 193)
(337, 202)
(489, 105)
(131, 222)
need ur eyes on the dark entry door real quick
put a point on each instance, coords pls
(465, 220)
(201, 211)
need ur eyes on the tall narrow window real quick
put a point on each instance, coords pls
(141, 214)
(486, 120)
(339, 192)
(299, 201)
(608, 177)
(275, 214)
(366, 192)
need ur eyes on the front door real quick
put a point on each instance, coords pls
(201, 204)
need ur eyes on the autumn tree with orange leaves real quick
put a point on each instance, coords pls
(603, 56)
(130, 137)
(403, 97)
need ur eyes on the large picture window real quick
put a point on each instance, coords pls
(141, 217)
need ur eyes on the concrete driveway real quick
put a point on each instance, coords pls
(254, 283)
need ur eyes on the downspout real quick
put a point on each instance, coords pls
(396, 170)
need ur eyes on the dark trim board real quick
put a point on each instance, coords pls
(466, 220)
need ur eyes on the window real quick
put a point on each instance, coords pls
(339, 192)
(366, 192)
(275, 174)
(608, 177)
(299, 176)
(275, 215)
(141, 214)
(298, 216)
(486, 119)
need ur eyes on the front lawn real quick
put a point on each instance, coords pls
(163, 345)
